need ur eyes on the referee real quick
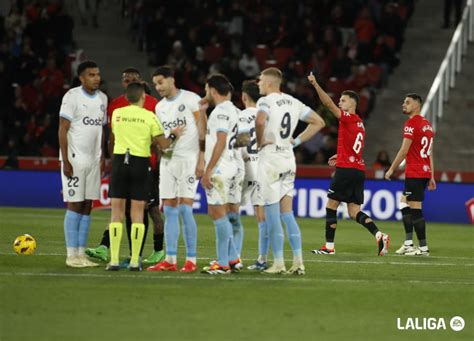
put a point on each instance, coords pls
(134, 129)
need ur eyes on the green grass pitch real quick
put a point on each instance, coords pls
(353, 295)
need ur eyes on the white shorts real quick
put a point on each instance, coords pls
(222, 180)
(251, 188)
(178, 179)
(276, 174)
(235, 190)
(83, 185)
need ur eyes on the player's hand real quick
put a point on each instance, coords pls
(206, 180)
(203, 105)
(178, 131)
(67, 169)
(200, 168)
(332, 161)
(388, 174)
(312, 79)
(432, 185)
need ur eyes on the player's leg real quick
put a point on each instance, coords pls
(237, 228)
(415, 201)
(137, 233)
(263, 240)
(116, 231)
(158, 253)
(185, 208)
(407, 245)
(294, 234)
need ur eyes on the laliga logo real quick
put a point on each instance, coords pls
(430, 323)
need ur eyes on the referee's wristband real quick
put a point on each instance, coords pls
(297, 142)
(172, 137)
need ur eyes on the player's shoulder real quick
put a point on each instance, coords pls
(153, 101)
(103, 97)
(190, 96)
(73, 92)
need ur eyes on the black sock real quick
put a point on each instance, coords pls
(420, 225)
(158, 241)
(361, 218)
(331, 219)
(407, 223)
(105, 239)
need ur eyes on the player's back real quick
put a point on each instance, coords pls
(418, 160)
(176, 112)
(223, 118)
(283, 112)
(350, 141)
(86, 114)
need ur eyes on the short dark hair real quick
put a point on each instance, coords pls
(351, 94)
(221, 83)
(131, 69)
(134, 92)
(165, 71)
(88, 64)
(415, 97)
(250, 87)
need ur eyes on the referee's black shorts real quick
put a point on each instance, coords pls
(347, 186)
(415, 188)
(129, 181)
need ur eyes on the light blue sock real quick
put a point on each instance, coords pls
(84, 226)
(189, 229)
(293, 231)
(263, 240)
(272, 215)
(237, 231)
(71, 228)
(171, 230)
(223, 229)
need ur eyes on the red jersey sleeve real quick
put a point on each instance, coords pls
(409, 130)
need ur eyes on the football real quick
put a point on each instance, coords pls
(24, 245)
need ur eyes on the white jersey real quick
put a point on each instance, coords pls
(87, 114)
(223, 118)
(283, 112)
(247, 124)
(179, 111)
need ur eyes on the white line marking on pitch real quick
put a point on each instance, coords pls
(306, 260)
(257, 278)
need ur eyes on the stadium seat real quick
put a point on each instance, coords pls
(335, 86)
(374, 74)
(213, 53)
(282, 54)
(391, 42)
(261, 53)
(300, 68)
(363, 106)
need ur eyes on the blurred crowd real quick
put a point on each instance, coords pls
(347, 44)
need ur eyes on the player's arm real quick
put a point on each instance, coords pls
(432, 183)
(242, 140)
(315, 124)
(260, 128)
(324, 97)
(201, 123)
(164, 142)
(64, 125)
(111, 144)
(216, 155)
(401, 155)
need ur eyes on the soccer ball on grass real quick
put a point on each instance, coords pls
(24, 245)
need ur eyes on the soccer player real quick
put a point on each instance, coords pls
(251, 187)
(348, 182)
(181, 165)
(220, 167)
(417, 149)
(81, 121)
(134, 129)
(277, 117)
(131, 75)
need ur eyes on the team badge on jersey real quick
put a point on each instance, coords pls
(181, 108)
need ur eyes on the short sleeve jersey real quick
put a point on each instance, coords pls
(418, 160)
(350, 141)
(247, 124)
(176, 112)
(223, 118)
(283, 112)
(121, 101)
(134, 128)
(87, 114)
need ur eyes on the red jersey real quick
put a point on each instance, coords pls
(418, 161)
(350, 141)
(121, 101)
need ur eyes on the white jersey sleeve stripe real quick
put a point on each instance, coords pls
(223, 130)
(305, 116)
(65, 116)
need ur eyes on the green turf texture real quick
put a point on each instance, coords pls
(353, 295)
